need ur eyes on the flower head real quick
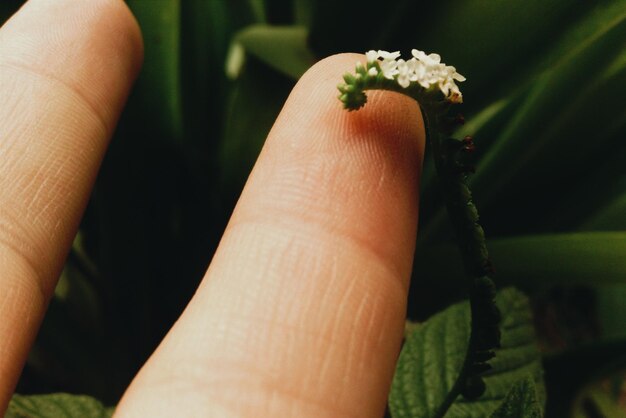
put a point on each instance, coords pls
(425, 69)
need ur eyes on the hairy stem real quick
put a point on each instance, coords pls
(452, 173)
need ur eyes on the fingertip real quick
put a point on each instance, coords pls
(128, 32)
(94, 48)
(303, 305)
(387, 115)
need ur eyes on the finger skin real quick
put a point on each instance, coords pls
(301, 312)
(65, 70)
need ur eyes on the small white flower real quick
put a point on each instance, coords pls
(454, 74)
(425, 69)
(429, 60)
(389, 68)
(416, 69)
(371, 56)
(388, 55)
(404, 74)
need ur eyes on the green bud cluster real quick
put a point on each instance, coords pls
(352, 92)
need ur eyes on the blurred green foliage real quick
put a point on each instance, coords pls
(544, 100)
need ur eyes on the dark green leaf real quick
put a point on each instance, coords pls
(283, 48)
(303, 12)
(57, 405)
(567, 127)
(205, 39)
(258, 10)
(547, 125)
(159, 84)
(593, 258)
(521, 401)
(611, 216)
(432, 357)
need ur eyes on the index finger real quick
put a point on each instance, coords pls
(301, 312)
(65, 69)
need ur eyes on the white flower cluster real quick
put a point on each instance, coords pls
(424, 69)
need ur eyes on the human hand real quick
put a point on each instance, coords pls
(301, 312)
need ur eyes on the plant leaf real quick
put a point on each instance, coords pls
(433, 355)
(564, 130)
(56, 405)
(283, 48)
(611, 216)
(498, 33)
(588, 69)
(537, 261)
(521, 401)
(158, 87)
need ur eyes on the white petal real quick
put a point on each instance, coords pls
(388, 55)
(434, 58)
(371, 56)
(418, 54)
(404, 81)
(389, 69)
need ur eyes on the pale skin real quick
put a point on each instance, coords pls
(301, 312)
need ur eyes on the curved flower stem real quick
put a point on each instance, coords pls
(450, 154)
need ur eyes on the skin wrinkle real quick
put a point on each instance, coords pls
(285, 190)
(44, 174)
(306, 243)
(288, 219)
(271, 394)
(356, 340)
(63, 136)
(48, 217)
(333, 331)
(78, 96)
(27, 291)
(54, 182)
(307, 228)
(340, 305)
(18, 255)
(230, 376)
(23, 299)
(326, 338)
